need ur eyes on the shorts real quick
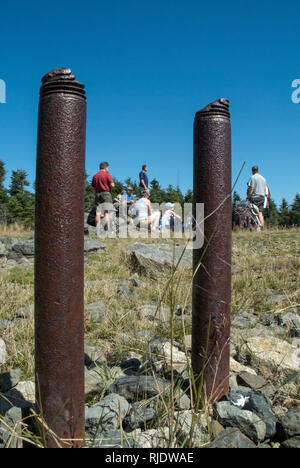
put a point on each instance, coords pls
(259, 201)
(104, 203)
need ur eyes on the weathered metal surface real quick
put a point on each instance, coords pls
(212, 281)
(59, 331)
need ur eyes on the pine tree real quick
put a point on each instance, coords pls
(189, 197)
(18, 182)
(272, 215)
(21, 208)
(235, 197)
(295, 211)
(157, 194)
(284, 213)
(3, 191)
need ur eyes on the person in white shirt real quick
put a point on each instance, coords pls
(256, 192)
(168, 218)
(144, 214)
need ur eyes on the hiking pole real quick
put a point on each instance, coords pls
(59, 284)
(212, 263)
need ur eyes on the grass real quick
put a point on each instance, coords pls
(264, 264)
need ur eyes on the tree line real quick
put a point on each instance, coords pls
(17, 203)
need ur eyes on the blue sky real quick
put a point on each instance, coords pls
(148, 66)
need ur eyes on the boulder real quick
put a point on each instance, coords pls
(249, 423)
(135, 388)
(269, 354)
(153, 438)
(93, 354)
(21, 396)
(183, 423)
(231, 438)
(257, 403)
(157, 259)
(93, 245)
(256, 382)
(93, 383)
(291, 423)
(154, 312)
(106, 415)
(168, 356)
(8, 380)
(140, 415)
(21, 249)
(3, 352)
(95, 311)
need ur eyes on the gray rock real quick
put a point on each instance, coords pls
(248, 423)
(156, 259)
(94, 383)
(154, 438)
(96, 311)
(2, 249)
(231, 438)
(140, 415)
(293, 443)
(275, 299)
(135, 388)
(93, 354)
(3, 352)
(131, 366)
(257, 403)
(11, 428)
(154, 312)
(25, 312)
(93, 245)
(244, 319)
(291, 322)
(114, 440)
(256, 382)
(5, 324)
(291, 423)
(21, 249)
(21, 396)
(106, 415)
(184, 421)
(8, 380)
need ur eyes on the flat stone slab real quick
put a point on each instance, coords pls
(155, 259)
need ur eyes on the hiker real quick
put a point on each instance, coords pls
(127, 204)
(144, 184)
(256, 192)
(145, 217)
(169, 217)
(102, 183)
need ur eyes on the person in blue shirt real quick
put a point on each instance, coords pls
(127, 202)
(144, 182)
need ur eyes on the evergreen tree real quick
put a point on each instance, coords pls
(295, 211)
(18, 182)
(284, 213)
(174, 195)
(235, 197)
(157, 194)
(21, 208)
(89, 195)
(3, 191)
(189, 196)
(272, 215)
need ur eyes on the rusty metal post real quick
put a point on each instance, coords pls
(212, 280)
(59, 283)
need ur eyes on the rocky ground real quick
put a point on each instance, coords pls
(137, 380)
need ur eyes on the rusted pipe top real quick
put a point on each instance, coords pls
(219, 108)
(61, 80)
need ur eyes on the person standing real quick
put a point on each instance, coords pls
(102, 183)
(256, 192)
(144, 182)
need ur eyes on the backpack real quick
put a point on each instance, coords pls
(91, 219)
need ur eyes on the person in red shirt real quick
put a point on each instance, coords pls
(102, 183)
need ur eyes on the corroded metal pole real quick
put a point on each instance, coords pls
(59, 332)
(212, 280)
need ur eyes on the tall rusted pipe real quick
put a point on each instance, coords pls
(59, 284)
(212, 279)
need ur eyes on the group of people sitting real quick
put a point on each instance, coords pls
(138, 212)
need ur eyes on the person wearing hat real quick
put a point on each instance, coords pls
(168, 218)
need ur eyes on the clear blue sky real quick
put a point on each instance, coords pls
(148, 66)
